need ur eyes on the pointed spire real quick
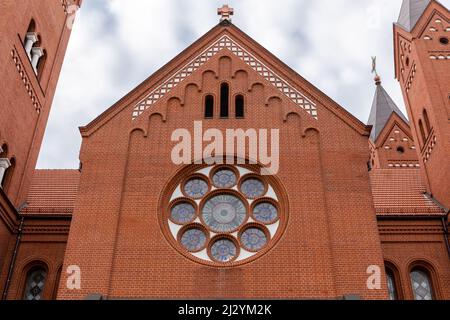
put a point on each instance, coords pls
(411, 12)
(382, 108)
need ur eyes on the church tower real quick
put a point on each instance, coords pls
(391, 143)
(34, 38)
(34, 41)
(422, 64)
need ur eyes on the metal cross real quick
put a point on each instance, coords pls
(374, 66)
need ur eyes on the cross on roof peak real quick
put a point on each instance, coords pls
(225, 12)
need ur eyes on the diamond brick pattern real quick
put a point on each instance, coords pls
(226, 42)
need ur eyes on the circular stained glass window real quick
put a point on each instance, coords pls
(224, 250)
(224, 213)
(182, 212)
(196, 188)
(224, 178)
(194, 239)
(253, 239)
(265, 212)
(226, 224)
(253, 188)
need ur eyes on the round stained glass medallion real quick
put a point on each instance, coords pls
(253, 188)
(253, 239)
(224, 178)
(194, 239)
(196, 188)
(224, 250)
(265, 212)
(224, 213)
(182, 212)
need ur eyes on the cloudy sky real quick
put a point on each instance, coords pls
(116, 44)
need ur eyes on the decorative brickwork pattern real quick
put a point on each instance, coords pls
(227, 42)
(428, 150)
(26, 80)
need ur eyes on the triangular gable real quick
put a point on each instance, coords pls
(437, 24)
(394, 121)
(404, 38)
(271, 68)
(229, 43)
(434, 8)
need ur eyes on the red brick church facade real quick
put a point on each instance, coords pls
(349, 200)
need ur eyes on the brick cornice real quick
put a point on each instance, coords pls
(46, 224)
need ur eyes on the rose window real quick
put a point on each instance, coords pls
(224, 215)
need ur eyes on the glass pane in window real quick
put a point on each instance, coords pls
(421, 285)
(35, 284)
(392, 289)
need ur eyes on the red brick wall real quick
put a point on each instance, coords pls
(44, 242)
(118, 243)
(21, 127)
(416, 242)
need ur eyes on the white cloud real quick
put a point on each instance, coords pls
(116, 44)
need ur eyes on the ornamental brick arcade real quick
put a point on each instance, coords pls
(346, 198)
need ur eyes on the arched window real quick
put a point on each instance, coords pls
(239, 105)
(35, 283)
(224, 100)
(391, 284)
(427, 122)
(209, 107)
(30, 38)
(422, 132)
(421, 284)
